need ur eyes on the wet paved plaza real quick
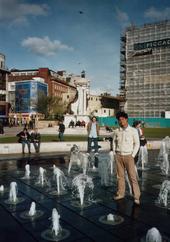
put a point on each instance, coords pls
(84, 224)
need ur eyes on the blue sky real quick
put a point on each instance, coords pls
(73, 35)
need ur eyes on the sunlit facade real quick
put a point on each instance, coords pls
(145, 69)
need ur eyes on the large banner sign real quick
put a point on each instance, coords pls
(152, 44)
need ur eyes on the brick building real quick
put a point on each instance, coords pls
(57, 84)
(4, 105)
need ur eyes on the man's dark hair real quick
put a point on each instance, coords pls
(135, 123)
(121, 114)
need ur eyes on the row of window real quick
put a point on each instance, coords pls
(33, 73)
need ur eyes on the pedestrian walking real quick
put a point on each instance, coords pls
(1, 128)
(61, 130)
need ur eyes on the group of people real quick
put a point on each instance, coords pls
(126, 143)
(79, 123)
(26, 138)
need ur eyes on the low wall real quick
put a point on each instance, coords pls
(49, 147)
(16, 148)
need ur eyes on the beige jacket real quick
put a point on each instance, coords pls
(126, 141)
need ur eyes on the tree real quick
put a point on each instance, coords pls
(50, 105)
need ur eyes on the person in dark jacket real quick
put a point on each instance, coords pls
(24, 139)
(61, 130)
(36, 140)
(1, 128)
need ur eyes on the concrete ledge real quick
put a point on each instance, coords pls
(154, 144)
(16, 148)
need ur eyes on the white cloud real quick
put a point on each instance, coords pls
(155, 14)
(15, 12)
(44, 46)
(122, 17)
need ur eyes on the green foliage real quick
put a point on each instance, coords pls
(156, 132)
(49, 106)
(45, 138)
(150, 133)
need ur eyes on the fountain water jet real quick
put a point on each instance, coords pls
(13, 199)
(162, 200)
(142, 158)
(32, 210)
(33, 213)
(111, 219)
(81, 183)
(163, 155)
(60, 180)
(2, 188)
(42, 180)
(74, 157)
(13, 192)
(27, 172)
(153, 235)
(57, 233)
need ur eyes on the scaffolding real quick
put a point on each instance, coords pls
(145, 69)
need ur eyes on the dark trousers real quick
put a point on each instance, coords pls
(95, 141)
(36, 146)
(61, 136)
(23, 146)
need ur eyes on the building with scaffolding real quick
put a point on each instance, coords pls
(145, 69)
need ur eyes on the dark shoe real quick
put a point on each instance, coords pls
(118, 197)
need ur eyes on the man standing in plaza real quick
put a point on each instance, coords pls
(93, 133)
(125, 146)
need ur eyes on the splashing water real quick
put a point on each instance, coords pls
(153, 235)
(13, 192)
(163, 194)
(2, 188)
(84, 161)
(42, 180)
(54, 166)
(60, 179)
(74, 157)
(111, 156)
(55, 222)
(163, 155)
(32, 210)
(110, 217)
(27, 171)
(56, 233)
(80, 183)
